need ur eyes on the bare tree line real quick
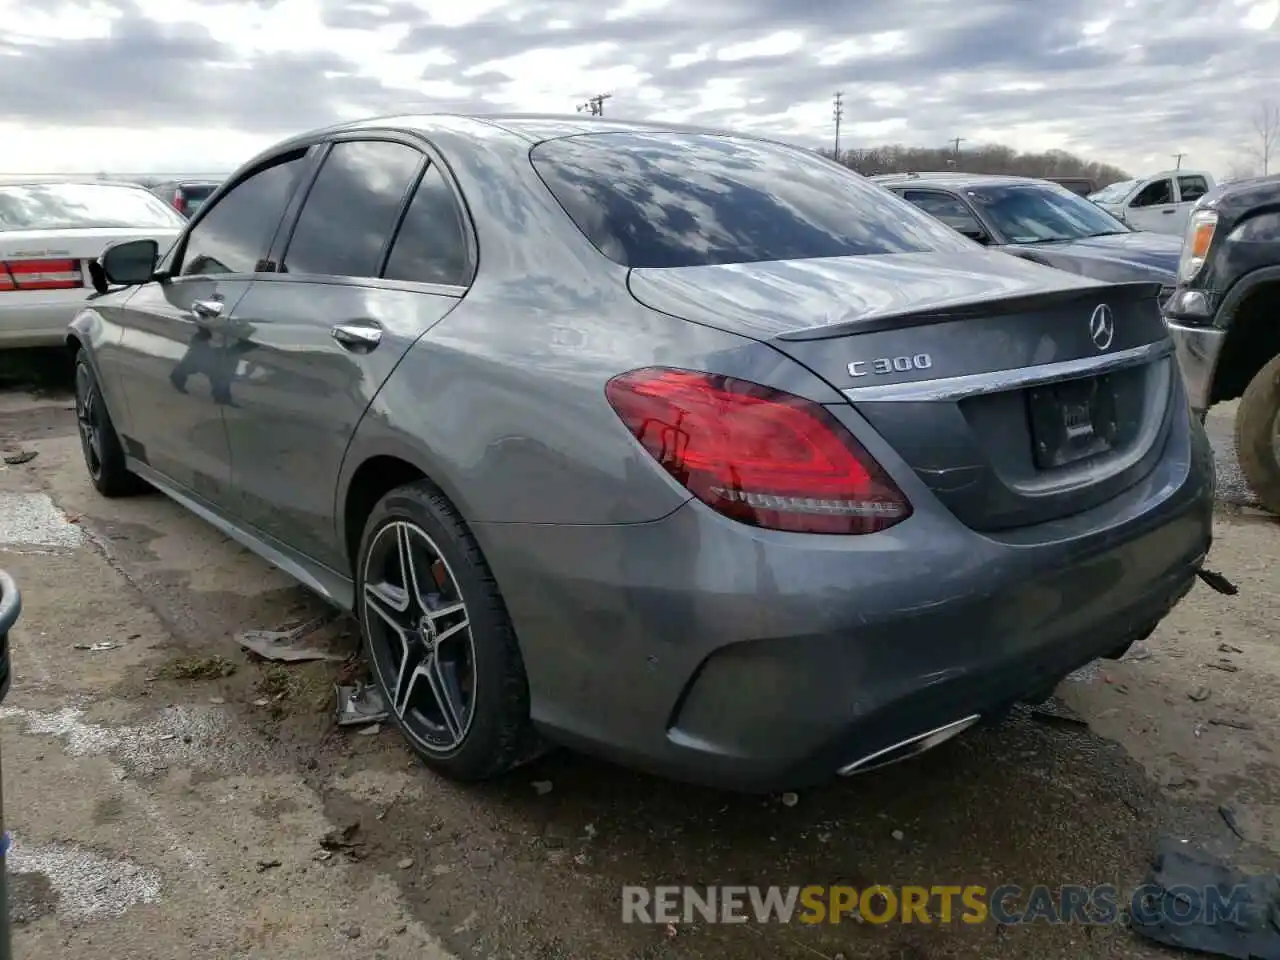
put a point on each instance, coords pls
(1263, 152)
(986, 158)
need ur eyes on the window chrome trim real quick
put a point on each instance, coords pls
(974, 384)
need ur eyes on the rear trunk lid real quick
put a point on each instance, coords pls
(1017, 393)
(51, 262)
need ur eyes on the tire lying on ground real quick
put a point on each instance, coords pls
(1256, 435)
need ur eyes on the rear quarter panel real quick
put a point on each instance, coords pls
(502, 403)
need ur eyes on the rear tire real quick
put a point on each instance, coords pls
(484, 731)
(99, 442)
(1258, 435)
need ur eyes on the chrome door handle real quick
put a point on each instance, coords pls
(207, 309)
(356, 335)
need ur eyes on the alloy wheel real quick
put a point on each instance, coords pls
(419, 635)
(89, 419)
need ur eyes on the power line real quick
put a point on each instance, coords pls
(595, 105)
(837, 111)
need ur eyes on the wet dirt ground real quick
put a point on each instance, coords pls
(165, 791)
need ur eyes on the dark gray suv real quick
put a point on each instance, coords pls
(692, 449)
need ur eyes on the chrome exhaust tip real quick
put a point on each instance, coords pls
(911, 747)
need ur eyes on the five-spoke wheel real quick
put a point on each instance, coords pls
(439, 639)
(419, 636)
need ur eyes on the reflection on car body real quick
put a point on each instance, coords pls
(564, 413)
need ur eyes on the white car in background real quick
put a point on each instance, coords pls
(1160, 203)
(49, 230)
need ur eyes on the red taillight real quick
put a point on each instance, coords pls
(756, 454)
(40, 275)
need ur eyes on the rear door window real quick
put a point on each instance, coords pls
(431, 244)
(1192, 188)
(235, 235)
(679, 200)
(351, 210)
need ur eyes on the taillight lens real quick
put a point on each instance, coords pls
(40, 275)
(755, 454)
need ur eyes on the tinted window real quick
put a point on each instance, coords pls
(1035, 212)
(1154, 194)
(68, 206)
(430, 246)
(675, 200)
(352, 208)
(946, 207)
(235, 235)
(1192, 188)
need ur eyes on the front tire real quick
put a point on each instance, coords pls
(439, 640)
(99, 442)
(1258, 435)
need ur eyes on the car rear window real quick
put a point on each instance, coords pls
(71, 206)
(197, 194)
(680, 200)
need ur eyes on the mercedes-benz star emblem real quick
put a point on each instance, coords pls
(1102, 328)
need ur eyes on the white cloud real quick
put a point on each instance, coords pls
(199, 85)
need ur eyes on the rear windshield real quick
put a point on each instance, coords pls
(682, 200)
(72, 206)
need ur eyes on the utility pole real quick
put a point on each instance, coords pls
(955, 145)
(1178, 157)
(837, 111)
(595, 105)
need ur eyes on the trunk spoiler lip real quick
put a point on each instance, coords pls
(977, 309)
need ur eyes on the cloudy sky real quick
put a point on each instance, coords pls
(198, 85)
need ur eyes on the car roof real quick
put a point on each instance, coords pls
(530, 128)
(952, 179)
(7, 180)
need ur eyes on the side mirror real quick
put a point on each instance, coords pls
(131, 262)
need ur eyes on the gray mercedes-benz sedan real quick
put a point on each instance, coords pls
(690, 449)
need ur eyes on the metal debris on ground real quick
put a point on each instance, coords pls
(287, 646)
(359, 704)
(1228, 648)
(1226, 666)
(343, 840)
(1229, 818)
(369, 731)
(265, 865)
(1139, 651)
(1229, 722)
(102, 647)
(21, 457)
(1216, 581)
(1199, 694)
(1182, 875)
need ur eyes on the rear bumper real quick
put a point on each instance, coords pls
(709, 651)
(38, 325)
(1197, 349)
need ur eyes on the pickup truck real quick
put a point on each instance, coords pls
(1160, 203)
(1224, 317)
